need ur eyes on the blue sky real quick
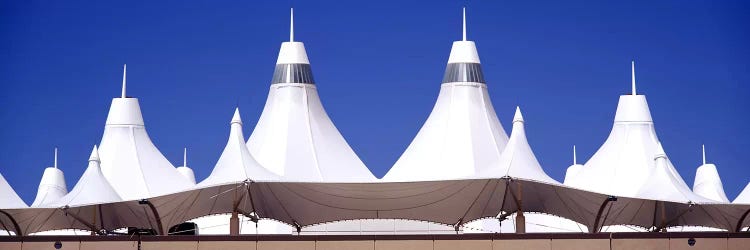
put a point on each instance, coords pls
(378, 67)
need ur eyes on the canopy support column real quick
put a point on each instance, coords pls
(155, 213)
(520, 218)
(738, 228)
(16, 228)
(597, 227)
(234, 224)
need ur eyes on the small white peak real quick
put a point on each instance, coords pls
(124, 81)
(236, 118)
(94, 154)
(703, 147)
(464, 27)
(291, 25)
(632, 77)
(518, 117)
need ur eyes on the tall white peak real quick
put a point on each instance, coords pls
(9, 199)
(294, 137)
(517, 159)
(52, 186)
(186, 171)
(236, 164)
(707, 181)
(624, 163)
(134, 167)
(462, 135)
(92, 187)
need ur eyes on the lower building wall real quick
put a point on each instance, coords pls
(416, 244)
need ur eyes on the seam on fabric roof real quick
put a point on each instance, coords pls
(138, 162)
(484, 187)
(282, 205)
(487, 120)
(306, 101)
(494, 189)
(578, 220)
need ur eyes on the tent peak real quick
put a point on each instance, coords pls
(94, 154)
(518, 117)
(236, 118)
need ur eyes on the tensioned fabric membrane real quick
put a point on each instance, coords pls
(450, 202)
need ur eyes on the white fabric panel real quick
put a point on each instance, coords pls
(624, 164)
(665, 184)
(51, 188)
(8, 197)
(571, 172)
(187, 173)
(235, 163)
(461, 138)
(744, 196)
(517, 159)
(130, 161)
(295, 139)
(708, 183)
(92, 187)
(464, 52)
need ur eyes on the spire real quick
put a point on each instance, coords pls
(574, 155)
(291, 25)
(632, 76)
(94, 154)
(464, 37)
(124, 74)
(236, 118)
(55, 164)
(704, 153)
(184, 157)
(518, 117)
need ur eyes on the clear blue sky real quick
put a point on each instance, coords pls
(378, 66)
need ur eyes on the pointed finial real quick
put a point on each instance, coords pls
(55, 164)
(464, 24)
(124, 74)
(236, 118)
(518, 117)
(704, 153)
(632, 76)
(184, 158)
(94, 154)
(575, 162)
(291, 25)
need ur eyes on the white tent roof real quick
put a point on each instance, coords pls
(129, 160)
(517, 159)
(294, 137)
(186, 171)
(52, 186)
(92, 187)
(462, 136)
(8, 197)
(624, 163)
(744, 196)
(572, 169)
(707, 181)
(235, 163)
(664, 183)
